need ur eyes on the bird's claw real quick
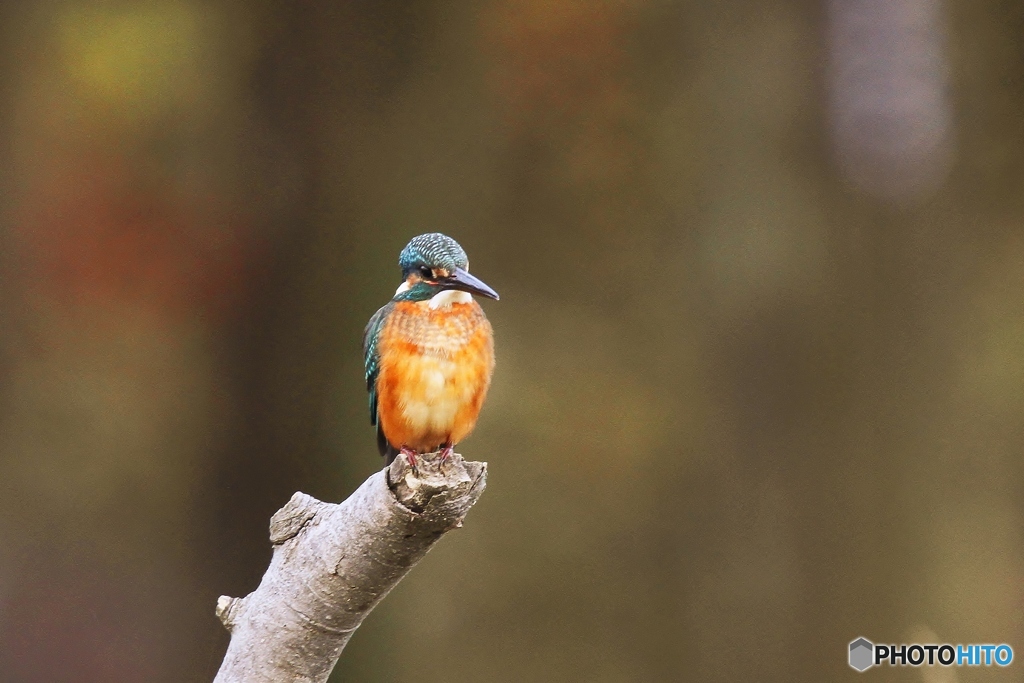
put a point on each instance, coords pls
(410, 455)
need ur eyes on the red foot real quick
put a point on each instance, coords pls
(446, 451)
(410, 455)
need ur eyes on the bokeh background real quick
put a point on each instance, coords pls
(760, 384)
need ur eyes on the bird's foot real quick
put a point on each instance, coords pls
(446, 451)
(410, 455)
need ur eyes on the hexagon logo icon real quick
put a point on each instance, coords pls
(862, 653)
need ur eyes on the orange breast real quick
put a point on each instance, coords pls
(435, 368)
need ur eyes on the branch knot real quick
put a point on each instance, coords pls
(296, 514)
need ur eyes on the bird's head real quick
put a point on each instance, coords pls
(435, 263)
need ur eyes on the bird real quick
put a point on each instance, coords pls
(429, 353)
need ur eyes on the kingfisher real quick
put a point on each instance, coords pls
(429, 353)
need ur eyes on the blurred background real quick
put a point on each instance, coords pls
(760, 383)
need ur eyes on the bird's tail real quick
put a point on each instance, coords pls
(386, 449)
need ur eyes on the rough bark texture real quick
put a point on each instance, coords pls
(333, 563)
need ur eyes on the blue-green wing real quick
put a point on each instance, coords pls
(371, 361)
(371, 357)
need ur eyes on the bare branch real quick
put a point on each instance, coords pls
(332, 564)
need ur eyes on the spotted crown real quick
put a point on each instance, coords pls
(433, 250)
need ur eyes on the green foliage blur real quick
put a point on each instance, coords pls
(744, 412)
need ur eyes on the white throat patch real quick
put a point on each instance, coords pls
(449, 297)
(404, 287)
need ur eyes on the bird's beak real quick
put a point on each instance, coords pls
(463, 281)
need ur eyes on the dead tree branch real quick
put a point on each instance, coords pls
(332, 564)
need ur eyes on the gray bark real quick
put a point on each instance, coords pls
(332, 564)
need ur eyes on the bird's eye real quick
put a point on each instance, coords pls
(426, 272)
